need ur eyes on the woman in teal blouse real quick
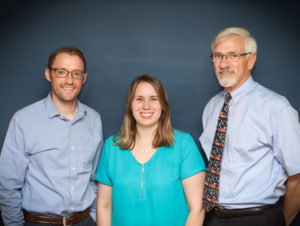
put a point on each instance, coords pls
(149, 173)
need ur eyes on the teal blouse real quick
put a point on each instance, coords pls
(150, 193)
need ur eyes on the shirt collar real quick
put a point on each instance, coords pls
(53, 112)
(50, 107)
(243, 89)
(81, 110)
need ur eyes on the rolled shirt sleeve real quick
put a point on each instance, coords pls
(13, 164)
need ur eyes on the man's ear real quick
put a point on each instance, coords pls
(84, 77)
(47, 74)
(251, 61)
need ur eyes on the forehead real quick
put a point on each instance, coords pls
(233, 43)
(145, 88)
(68, 61)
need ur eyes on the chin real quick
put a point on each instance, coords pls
(147, 125)
(227, 81)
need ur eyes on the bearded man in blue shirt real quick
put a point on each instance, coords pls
(253, 174)
(51, 151)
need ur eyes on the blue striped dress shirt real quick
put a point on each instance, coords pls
(48, 162)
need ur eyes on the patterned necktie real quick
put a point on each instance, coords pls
(212, 178)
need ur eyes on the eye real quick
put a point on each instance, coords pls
(60, 72)
(154, 98)
(77, 73)
(217, 55)
(232, 55)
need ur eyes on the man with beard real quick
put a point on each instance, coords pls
(252, 141)
(51, 151)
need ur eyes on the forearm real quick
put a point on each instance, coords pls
(13, 165)
(104, 205)
(291, 204)
(193, 189)
(10, 195)
(104, 216)
(11, 210)
(195, 218)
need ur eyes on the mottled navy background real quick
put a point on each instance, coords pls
(123, 39)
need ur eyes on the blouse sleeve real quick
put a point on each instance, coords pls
(191, 161)
(103, 175)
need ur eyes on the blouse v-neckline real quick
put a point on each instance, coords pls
(149, 160)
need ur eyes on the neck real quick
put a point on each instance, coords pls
(237, 85)
(145, 135)
(67, 109)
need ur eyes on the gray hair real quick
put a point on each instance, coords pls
(250, 43)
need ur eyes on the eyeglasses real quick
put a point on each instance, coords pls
(62, 73)
(231, 56)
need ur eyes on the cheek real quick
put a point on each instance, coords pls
(135, 114)
(134, 106)
(216, 66)
(79, 84)
(54, 84)
(158, 108)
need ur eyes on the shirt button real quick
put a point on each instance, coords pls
(72, 147)
(73, 168)
(72, 188)
(72, 208)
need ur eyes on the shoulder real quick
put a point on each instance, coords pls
(270, 99)
(91, 115)
(214, 103)
(179, 133)
(90, 111)
(110, 143)
(216, 99)
(181, 136)
(30, 111)
(110, 139)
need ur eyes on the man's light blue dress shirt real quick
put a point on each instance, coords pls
(48, 162)
(262, 146)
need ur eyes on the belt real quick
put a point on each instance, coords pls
(74, 219)
(227, 213)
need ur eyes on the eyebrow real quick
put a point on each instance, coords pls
(69, 70)
(143, 96)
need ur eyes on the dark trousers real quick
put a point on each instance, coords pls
(270, 217)
(86, 222)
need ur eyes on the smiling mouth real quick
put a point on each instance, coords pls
(226, 71)
(146, 114)
(68, 88)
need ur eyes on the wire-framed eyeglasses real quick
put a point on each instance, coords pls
(231, 56)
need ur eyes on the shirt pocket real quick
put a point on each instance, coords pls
(87, 148)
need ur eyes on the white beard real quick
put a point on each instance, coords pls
(227, 80)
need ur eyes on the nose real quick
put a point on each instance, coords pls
(224, 62)
(69, 77)
(146, 104)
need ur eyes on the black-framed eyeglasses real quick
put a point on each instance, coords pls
(231, 56)
(62, 73)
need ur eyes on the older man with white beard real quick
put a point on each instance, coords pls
(253, 173)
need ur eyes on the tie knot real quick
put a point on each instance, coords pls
(227, 97)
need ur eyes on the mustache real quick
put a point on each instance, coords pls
(226, 70)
